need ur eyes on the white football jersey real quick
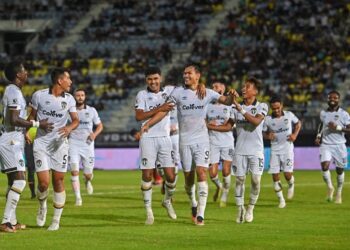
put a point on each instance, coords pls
(220, 114)
(56, 109)
(191, 113)
(339, 117)
(249, 138)
(146, 101)
(88, 117)
(13, 99)
(282, 127)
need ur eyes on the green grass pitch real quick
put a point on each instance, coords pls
(113, 218)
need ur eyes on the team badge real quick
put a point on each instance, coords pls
(184, 98)
(212, 111)
(336, 117)
(21, 163)
(47, 103)
(150, 98)
(286, 121)
(164, 95)
(87, 115)
(38, 163)
(14, 101)
(225, 110)
(273, 124)
(144, 161)
(63, 105)
(253, 111)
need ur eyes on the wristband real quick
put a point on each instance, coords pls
(243, 111)
(35, 124)
(339, 128)
(318, 135)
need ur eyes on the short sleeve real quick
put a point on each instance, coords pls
(294, 118)
(346, 118)
(96, 119)
(263, 109)
(35, 100)
(139, 102)
(13, 100)
(213, 96)
(266, 124)
(72, 105)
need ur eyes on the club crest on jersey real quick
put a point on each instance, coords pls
(273, 124)
(63, 105)
(184, 98)
(38, 163)
(150, 98)
(336, 117)
(164, 95)
(212, 111)
(286, 121)
(87, 115)
(225, 110)
(253, 111)
(144, 161)
(14, 101)
(47, 102)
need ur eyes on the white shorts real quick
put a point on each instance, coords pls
(281, 162)
(81, 152)
(12, 152)
(175, 144)
(337, 151)
(53, 155)
(218, 153)
(243, 164)
(199, 153)
(156, 150)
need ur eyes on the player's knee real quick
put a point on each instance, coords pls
(325, 166)
(59, 199)
(240, 180)
(74, 167)
(146, 185)
(18, 186)
(88, 172)
(43, 186)
(256, 180)
(339, 170)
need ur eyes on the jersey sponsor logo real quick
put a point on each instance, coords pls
(84, 122)
(192, 106)
(63, 105)
(52, 113)
(153, 107)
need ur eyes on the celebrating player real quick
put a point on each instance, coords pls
(194, 138)
(156, 144)
(81, 144)
(249, 151)
(335, 122)
(12, 142)
(51, 149)
(221, 144)
(282, 129)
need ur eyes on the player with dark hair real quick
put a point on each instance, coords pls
(12, 140)
(249, 152)
(335, 123)
(51, 149)
(81, 144)
(194, 138)
(282, 129)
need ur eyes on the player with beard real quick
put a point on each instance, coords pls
(81, 144)
(335, 123)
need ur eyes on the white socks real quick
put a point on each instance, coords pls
(191, 192)
(327, 178)
(278, 189)
(76, 186)
(202, 197)
(12, 200)
(216, 181)
(255, 189)
(169, 190)
(239, 191)
(59, 199)
(340, 182)
(146, 188)
(226, 187)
